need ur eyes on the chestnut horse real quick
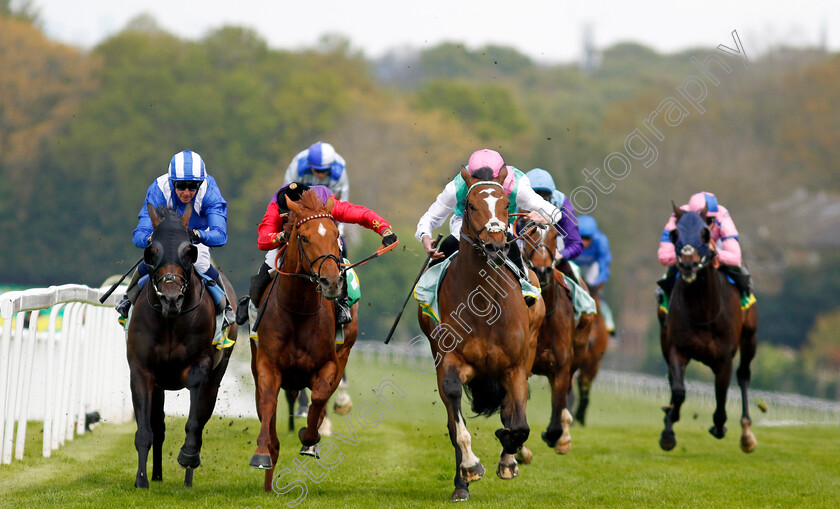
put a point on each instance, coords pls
(705, 322)
(561, 345)
(296, 346)
(170, 344)
(599, 338)
(487, 337)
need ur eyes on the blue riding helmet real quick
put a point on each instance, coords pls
(187, 165)
(587, 226)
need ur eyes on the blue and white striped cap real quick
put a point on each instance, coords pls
(321, 156)
(186, 165)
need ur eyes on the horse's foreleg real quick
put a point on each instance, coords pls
(676, 379)
(557, 434)
(158, 433)
(584, 383)
(722, 377)
(516, 430)
(468, 467)
(343, 403)
(748, 348)
(267, 388)
(142, 387)
(291, 396)
(190, 454)
(322, 385)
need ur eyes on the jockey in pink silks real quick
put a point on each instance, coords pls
(725, 237)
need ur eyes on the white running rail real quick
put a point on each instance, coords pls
(77, 365)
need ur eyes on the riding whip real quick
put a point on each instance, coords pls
(109, 292)
(422, 269)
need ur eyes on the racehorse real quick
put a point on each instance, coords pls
(296, 346)
(487, 336)
(705, 322)
(561, 344)
(599, 338)
(170, 344)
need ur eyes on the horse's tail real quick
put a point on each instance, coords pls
(485, 395)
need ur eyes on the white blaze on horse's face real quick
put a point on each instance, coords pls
(494, 224)
(322, 230)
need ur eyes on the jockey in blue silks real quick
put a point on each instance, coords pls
(186, 182)
(320, 165)
(594, 262)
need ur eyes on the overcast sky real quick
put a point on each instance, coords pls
(549, 31)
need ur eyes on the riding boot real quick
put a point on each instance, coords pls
(130, 296)
(743, 282)
(259, 282)
(223, 304)
(342, 308)
(666, 284)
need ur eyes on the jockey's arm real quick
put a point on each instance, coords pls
(604, 260)
(272, 224)
(667, 253)
(342, 189)
(567, 226)
(726, 239)
(346, 212)
(144, 229)
(437, 213)
(292, 170)
(216, 233)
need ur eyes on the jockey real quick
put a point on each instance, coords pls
(517, 187)
(594, 262)
(321, 165)
(724, 236)
(186, 182)
(571, 246)
(272, 235)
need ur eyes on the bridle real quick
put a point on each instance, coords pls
(478, 244)
(168, 278)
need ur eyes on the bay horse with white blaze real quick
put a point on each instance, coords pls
(561, 344)
(170, 344)
(487, 337)
(705, 322)
(296, 346)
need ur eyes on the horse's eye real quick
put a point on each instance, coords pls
(304, 239)
(471, 207)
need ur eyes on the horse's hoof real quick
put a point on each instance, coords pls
(311, 450)
(507, 471)
(342, 409)
(261, 461)
(667, 441)
(563, 447)
(460, 495)
(718, 433)
(141, 482)
(301, 431)
(548, 439)
(473, 473)
(187, 460)
(524, 455)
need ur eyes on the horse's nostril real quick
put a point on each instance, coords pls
(324, 281)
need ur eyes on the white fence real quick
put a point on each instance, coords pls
(59, 372)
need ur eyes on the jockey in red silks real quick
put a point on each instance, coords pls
(725, 238)
(272, 235)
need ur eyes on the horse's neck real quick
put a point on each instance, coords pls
(472, 269)
(702, 298)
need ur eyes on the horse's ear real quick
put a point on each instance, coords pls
(674, 235)
(185, 219)
(503, 173)
(467, 177)
(153, 215)
(678, 212)
(293, 206)
(330, 204)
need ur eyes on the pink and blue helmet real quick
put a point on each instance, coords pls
(704, 199)
(187, 165)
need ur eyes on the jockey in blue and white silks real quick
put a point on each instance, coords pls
(594, 262)
(186, 182)
(320, 165)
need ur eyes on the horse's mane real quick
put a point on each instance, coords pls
(310, 201)
(164, 211)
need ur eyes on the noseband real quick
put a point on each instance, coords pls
(171, 277)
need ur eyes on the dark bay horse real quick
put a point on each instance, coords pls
(296, 347)
(705, 322)
(487, 338)
(169, 345)
(561, 344)
(599, 338)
